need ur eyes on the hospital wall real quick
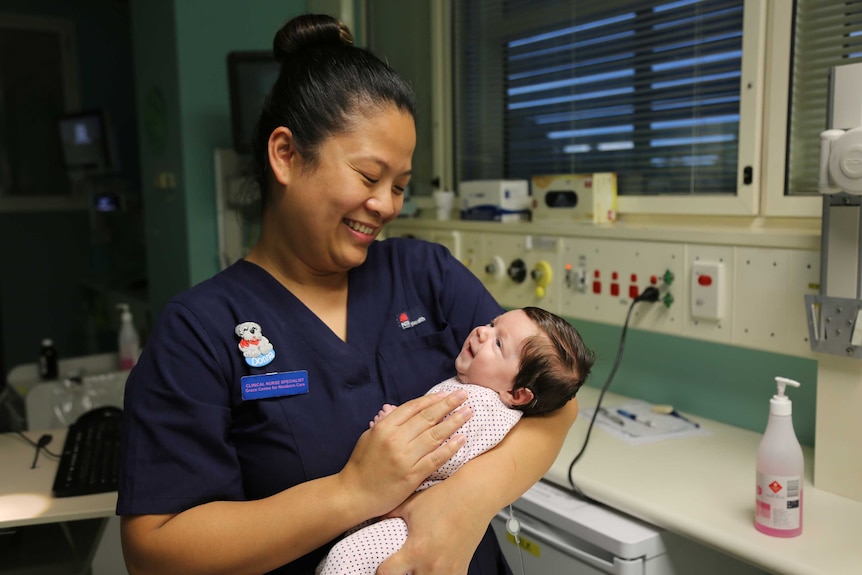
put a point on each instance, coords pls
(180, 49)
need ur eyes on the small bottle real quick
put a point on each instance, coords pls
(128, 342)
(780, 470)
(48, 368)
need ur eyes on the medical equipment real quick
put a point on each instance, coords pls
(834, 314)
(495, 200)
(575, 197)
(556, 533)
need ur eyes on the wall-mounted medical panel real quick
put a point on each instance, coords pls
(603, 277)
(521, 270)
(747, 295)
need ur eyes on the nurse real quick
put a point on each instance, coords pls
(245, 447)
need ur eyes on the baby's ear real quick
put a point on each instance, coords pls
(521, 396)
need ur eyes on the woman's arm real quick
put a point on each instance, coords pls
(239, 537)
(447, 521)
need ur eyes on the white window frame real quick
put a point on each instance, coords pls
(779, 49)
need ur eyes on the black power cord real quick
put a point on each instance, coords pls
(40, 445)
(650, 294)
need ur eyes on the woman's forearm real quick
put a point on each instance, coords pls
(240, 537)
(501, 475)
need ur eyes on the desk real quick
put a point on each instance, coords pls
(30, 515)
(703, 489)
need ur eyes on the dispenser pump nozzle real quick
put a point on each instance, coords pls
(782, 382)
(780, 403)
(125, 312)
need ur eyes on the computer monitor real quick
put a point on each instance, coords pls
(251, 75)
(84, 142)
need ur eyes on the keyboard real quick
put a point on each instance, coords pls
(91, 454)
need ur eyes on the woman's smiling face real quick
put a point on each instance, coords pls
(334, 209)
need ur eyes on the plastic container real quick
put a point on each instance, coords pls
(780, 470)
(71, 400)
(128, 342)
(48, 361)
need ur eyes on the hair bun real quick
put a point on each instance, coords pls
(307, 31)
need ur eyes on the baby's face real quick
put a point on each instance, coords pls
(491, 355)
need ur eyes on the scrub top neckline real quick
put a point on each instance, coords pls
(357, 302)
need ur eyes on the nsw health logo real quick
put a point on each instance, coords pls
(406, 323)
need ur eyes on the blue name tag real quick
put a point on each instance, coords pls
(277, 384)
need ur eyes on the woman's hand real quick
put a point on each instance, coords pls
(446, 522)
(442, 539)
(392, 458)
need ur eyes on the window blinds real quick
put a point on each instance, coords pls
(647, 90)
(826, 34)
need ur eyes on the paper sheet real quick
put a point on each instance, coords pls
(648, 428)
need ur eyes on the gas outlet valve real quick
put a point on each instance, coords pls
(541, 274)
(518, 271)
(496, 267)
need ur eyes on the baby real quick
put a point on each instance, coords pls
(526, 362)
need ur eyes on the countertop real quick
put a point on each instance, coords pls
(703, 488)
(25, 493)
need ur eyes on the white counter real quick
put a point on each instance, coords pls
(703, 488)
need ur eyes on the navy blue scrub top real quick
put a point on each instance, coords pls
(190, 438)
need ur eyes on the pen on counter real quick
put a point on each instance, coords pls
(670, 410)
(636, 417)
(611, 416)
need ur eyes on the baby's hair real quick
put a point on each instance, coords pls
(554, 363)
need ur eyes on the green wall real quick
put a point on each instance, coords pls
(208, 30)
(181, 89)
(721, 382)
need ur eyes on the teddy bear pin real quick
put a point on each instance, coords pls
(255, 347)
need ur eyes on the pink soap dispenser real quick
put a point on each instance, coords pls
(780, 470)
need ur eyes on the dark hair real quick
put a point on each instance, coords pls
(554, 364)
(324, 82)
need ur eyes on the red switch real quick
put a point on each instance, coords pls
(615, 290)
(597, 287)
(633, 292)
(704, 280)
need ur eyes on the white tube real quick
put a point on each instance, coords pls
(826, 139)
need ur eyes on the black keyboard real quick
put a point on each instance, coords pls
(91, 454)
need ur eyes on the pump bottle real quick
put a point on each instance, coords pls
(780, 470)
(128, 342)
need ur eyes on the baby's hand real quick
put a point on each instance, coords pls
(384, 411)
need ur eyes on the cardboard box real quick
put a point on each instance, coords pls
(577, 197)
(495, 200)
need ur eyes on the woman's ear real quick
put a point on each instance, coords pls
(522, 396)
(282, 154)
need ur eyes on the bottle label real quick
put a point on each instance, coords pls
(779, 501)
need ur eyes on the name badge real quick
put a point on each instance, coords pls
(278, 384)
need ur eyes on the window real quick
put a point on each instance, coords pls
(826, 34)
(665, 95)
(37, 85)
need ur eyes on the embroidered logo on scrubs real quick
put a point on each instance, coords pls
(405, 321)
(255, 348)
